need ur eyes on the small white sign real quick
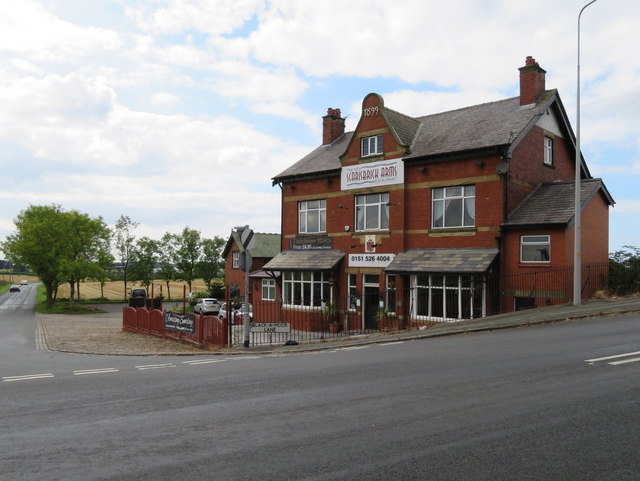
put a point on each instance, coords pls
(372, 174)
(270, 327)
(370, 260)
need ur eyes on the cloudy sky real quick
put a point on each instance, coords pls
(179, 112)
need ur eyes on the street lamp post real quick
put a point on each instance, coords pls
(577, 261)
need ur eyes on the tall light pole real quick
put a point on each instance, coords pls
(577, 260)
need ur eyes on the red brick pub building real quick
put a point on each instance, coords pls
(450, 216)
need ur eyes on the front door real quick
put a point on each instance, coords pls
(371, 301)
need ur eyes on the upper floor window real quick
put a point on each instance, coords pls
(535, 248)
(371, 145)
(312, 216)
(372, 211)
(454, 206)
(548, 151)
(236, 260)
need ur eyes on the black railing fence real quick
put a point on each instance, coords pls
(431, 299)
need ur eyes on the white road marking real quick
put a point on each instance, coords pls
(626, 361)
(617, 356)
(202, 361)
(155, 366)
(84, 372)
(354, 348)
(391, 343)
(27, 377)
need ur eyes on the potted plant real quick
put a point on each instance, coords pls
(330, 314)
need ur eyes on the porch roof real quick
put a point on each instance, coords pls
(469, 260)
(309, 260)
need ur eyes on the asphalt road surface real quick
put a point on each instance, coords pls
(539, 403)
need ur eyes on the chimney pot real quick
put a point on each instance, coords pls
(332, 126)
(532, 81)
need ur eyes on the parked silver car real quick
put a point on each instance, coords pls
(207, 305)
(236, 314)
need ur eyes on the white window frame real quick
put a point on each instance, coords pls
(435, 289)
(390, 292)
(306, 289)
(548, 151)
(352, 292)
(235, 262)
(366, 204)
(540, 243)
(315, 210)
(444, 197)
(371, 145)
(268, 289)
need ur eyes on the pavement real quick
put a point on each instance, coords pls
(102, 333)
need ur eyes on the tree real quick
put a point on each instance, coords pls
(42, 241)
(211, 264)
(124, 244)
(58, 245)
(624, 270)
(166, 256)
(188, 251)
(143, 262)
(86, 238)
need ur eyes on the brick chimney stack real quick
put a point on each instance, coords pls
(332, 126)
(532, 82)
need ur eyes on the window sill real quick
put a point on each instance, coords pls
(448, 230)
(534, 264)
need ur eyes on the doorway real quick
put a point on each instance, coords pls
(371, 304)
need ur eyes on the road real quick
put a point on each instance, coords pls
(538, 403)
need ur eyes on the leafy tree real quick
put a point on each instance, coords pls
(188, 252)
(86, 238)
(143, 262)
(104, 260)
(58, 245)
(166, 255)
(124, 244)
(42, 241)
(211, 264)
(624, 270)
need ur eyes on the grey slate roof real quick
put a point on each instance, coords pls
(553, 203)
(478, 127)
(267, 245)
(471, 260)
(320, 260)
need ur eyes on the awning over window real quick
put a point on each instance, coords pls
(320, 260)
(442, 260)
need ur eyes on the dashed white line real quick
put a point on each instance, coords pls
(202, 361)
(391, 343)
(84, 372)
(27, 377)
(155, 366)
(617, 356)
(629, 359)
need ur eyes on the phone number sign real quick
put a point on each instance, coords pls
(370, 260)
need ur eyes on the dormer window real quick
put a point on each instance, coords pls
(372, 145)
(548, 151)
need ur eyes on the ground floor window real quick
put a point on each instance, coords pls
(268, 289)
(447, 297)
(310, 289)
(352, 292)
(391, 294)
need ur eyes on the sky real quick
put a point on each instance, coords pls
(179, 112)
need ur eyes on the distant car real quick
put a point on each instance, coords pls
(207, 305)
(236, 314)
(14, 288)
(138, 293)
(24, 282)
